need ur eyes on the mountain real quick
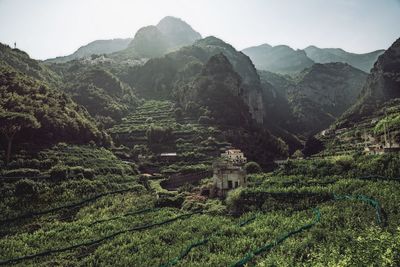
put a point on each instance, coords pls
(219, 88)
(280, 59)
(177, 32)
(314, 98)
(154, 41)
(363, 62)
(97, 47)
(381, 86)
(167, 77)
(20, 61)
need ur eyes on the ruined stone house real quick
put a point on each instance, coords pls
(228, 172)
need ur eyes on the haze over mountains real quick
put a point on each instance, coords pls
(285, 60)
(172, 33)
(293, 93)
(363, 62)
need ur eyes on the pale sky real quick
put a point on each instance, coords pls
(50, 28)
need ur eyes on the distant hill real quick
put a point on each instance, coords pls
(154, 41)
(94, 48)
(363, 62)
(285, 60)
(279, 59)
(313, 99)
(20, 61)
(150, 41)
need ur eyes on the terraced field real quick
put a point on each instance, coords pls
(195, 144)
(368, 131)
(283, 220)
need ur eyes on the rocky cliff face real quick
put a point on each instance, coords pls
(220, 89)
(333, 86)
(382, 85)
(252, 93)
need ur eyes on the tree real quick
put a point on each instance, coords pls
(13, 122)
(298, 154)
(252, 167)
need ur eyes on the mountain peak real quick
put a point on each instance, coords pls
(178, 32)
(171, 19)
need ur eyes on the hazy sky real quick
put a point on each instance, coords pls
(49, 28)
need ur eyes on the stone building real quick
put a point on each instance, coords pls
(228, 172)
(235, 156)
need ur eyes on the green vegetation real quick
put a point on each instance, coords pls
(391, 123)
(108, 160)
(271, 210)
(45, 115)
(12, 123)
(252, 167)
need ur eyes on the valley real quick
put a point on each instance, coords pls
(174, 149)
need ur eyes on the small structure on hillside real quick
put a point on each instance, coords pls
(235, 156)
(228, 172)
(168, 157)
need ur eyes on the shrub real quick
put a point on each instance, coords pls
(233, 200)
(61, 172)
(26, 188)
(144, 180)
(252, 167)
(215, 207)
(298, 154)
(173, 202)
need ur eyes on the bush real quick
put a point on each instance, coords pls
(173, 202)
(215, 207)
(26, 188)
(298, 154)
(61, 172)
(233, 200)
(252, 167)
